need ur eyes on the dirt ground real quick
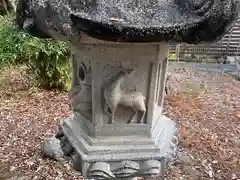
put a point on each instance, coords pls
(206, 107)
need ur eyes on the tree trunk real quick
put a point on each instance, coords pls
(6, 6)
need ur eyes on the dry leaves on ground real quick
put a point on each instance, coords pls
(27, 117)
(209, 124)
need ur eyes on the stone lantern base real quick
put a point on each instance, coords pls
(117, 130)
(118, 157)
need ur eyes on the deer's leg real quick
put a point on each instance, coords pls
(113, 116)
(106, 107)
(133, 116)
(142, 109)
(113, 108)
(142, 118)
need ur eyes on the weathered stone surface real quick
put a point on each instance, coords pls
(120, 157)
(133, 138)
(52, 148)
(190, 21)
(118, 130)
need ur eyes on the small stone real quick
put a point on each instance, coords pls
(234, 177)
(12, 168)
(236, 140)
(215, 162)
(184, 158)
(67, 148)
(52, 149)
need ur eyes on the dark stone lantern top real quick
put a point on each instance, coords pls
(190, 21)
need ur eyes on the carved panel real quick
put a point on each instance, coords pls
(115, 95)
(138, 81)
(81, 90)
(106, 63)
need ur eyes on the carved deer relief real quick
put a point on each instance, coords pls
(115, 96)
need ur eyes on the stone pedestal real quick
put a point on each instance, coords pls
(118, 130)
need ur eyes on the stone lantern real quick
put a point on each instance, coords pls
(119, 60)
